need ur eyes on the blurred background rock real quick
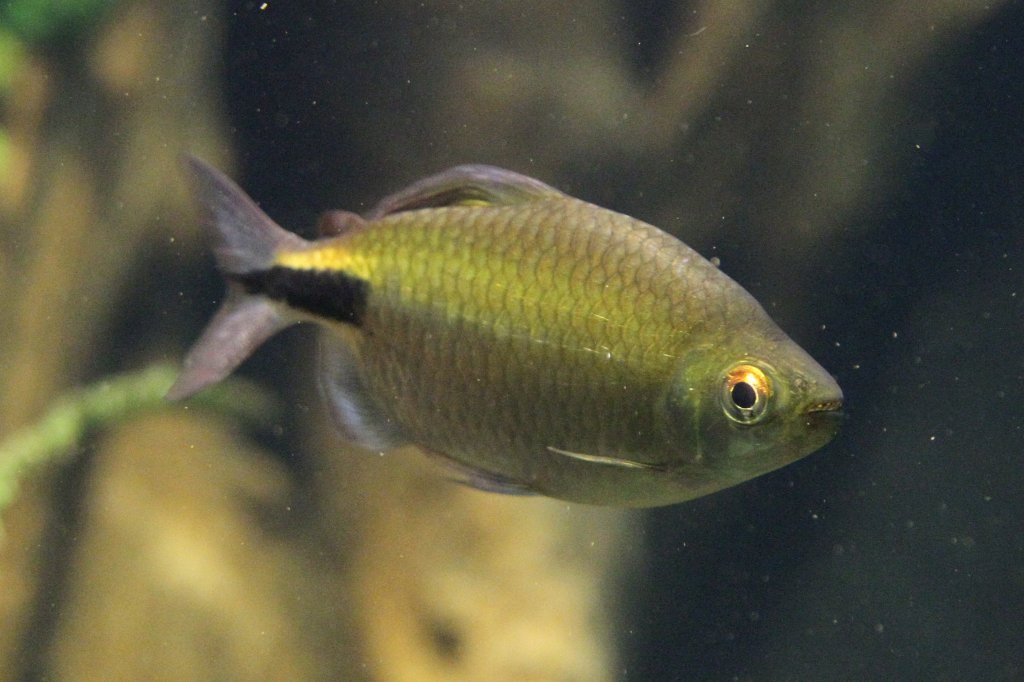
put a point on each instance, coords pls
(857, 167)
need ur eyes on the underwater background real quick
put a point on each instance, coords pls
(858, 168)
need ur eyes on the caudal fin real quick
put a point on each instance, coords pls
(243, 322)
(245, 240)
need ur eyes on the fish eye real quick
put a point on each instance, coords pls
(746, 391)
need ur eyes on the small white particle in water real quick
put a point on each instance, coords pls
(879, 628)
(263, 6)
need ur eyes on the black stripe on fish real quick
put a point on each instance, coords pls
(327, 293)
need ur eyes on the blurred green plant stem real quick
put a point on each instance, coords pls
(75, 416)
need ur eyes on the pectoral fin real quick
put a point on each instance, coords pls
(471, 185)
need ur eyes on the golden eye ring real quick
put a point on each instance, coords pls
(746, 392)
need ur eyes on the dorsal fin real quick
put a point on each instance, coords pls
(471, 185)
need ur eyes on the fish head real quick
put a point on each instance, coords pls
(753, 403)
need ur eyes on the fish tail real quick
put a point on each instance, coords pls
(245, 243)
(245, 239)
(243, 322)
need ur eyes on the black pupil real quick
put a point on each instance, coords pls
(743, 395)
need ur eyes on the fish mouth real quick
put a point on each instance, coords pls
(825, 417)
(834, 405)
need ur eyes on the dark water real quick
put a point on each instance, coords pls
(897, 552)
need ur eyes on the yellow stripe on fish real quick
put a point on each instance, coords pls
(332, 258)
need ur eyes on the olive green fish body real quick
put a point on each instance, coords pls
(539, 343)
(499, 337)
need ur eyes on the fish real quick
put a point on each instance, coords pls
(531, 342)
